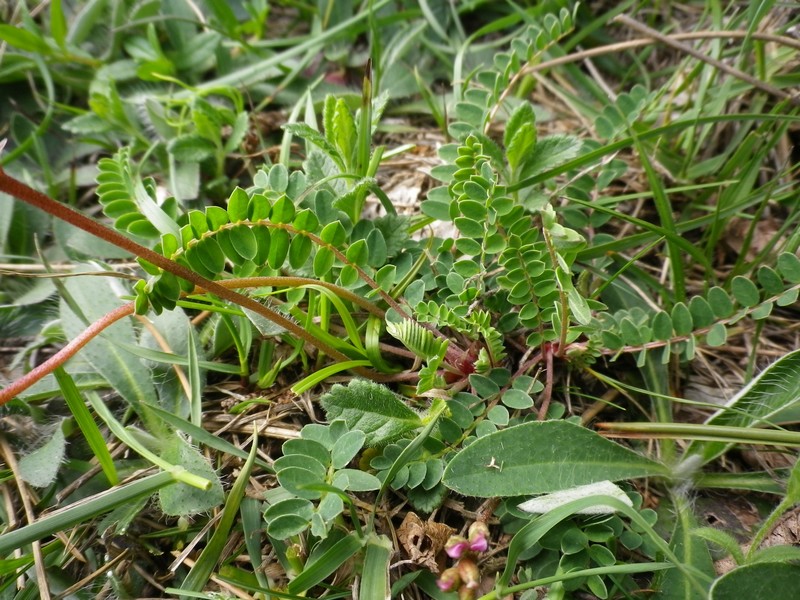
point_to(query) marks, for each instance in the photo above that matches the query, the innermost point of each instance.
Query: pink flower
(456, 546)
(478, 537)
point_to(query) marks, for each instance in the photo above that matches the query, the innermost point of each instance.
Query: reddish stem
(63, 355)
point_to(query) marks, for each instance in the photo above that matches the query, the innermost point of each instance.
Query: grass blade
(83, 510)
(86, 423)
(326, 564)
(202, 569)
(375, 573)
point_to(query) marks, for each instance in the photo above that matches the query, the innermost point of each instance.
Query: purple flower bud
(449, 580)
(456, 546)
(478, 537)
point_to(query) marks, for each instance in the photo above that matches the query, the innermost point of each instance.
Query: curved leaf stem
(246, 282)
(59, 358)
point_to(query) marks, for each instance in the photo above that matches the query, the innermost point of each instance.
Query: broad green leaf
(182, 499)
(549, 152)
(286, 526)
(759, 580)
(263, 239)
(40, 467)
(283, 210)
(303, 462)
(244, 241)
(789, 267)
(358, 253)
(296, 479)
(124, 372)
(469, 227)
(371, 408)
(356, 481)
(210, 254)
(775, 390)
(378, 251)
(299, 251)
(484, 387)
(323, 261)
(307, 447)
(541, 457)
(517, 399)
(717, 335)
(306, 220)
(770, 281)
(385, 277)
(720, 302)
(662, 326)
(191, 148)
(224, 238)
(291, 506)
(333, 234)
(278, 248)
(278, 178)
(578, 306)
(682, 319)
(238, 204)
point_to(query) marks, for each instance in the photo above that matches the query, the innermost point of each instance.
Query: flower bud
(456, 546)
(449, 580)
(478, 537)
(468, 571)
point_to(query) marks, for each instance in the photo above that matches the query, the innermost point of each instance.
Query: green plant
(265, 278)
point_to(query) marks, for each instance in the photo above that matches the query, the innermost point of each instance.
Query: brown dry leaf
(785, 533)
(423, 540)
(763, 234)
(786, 530)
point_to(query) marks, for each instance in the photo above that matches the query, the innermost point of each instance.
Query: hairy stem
(63, 355)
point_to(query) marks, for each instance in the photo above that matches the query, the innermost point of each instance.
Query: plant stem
(63, 355)
(35, 198)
